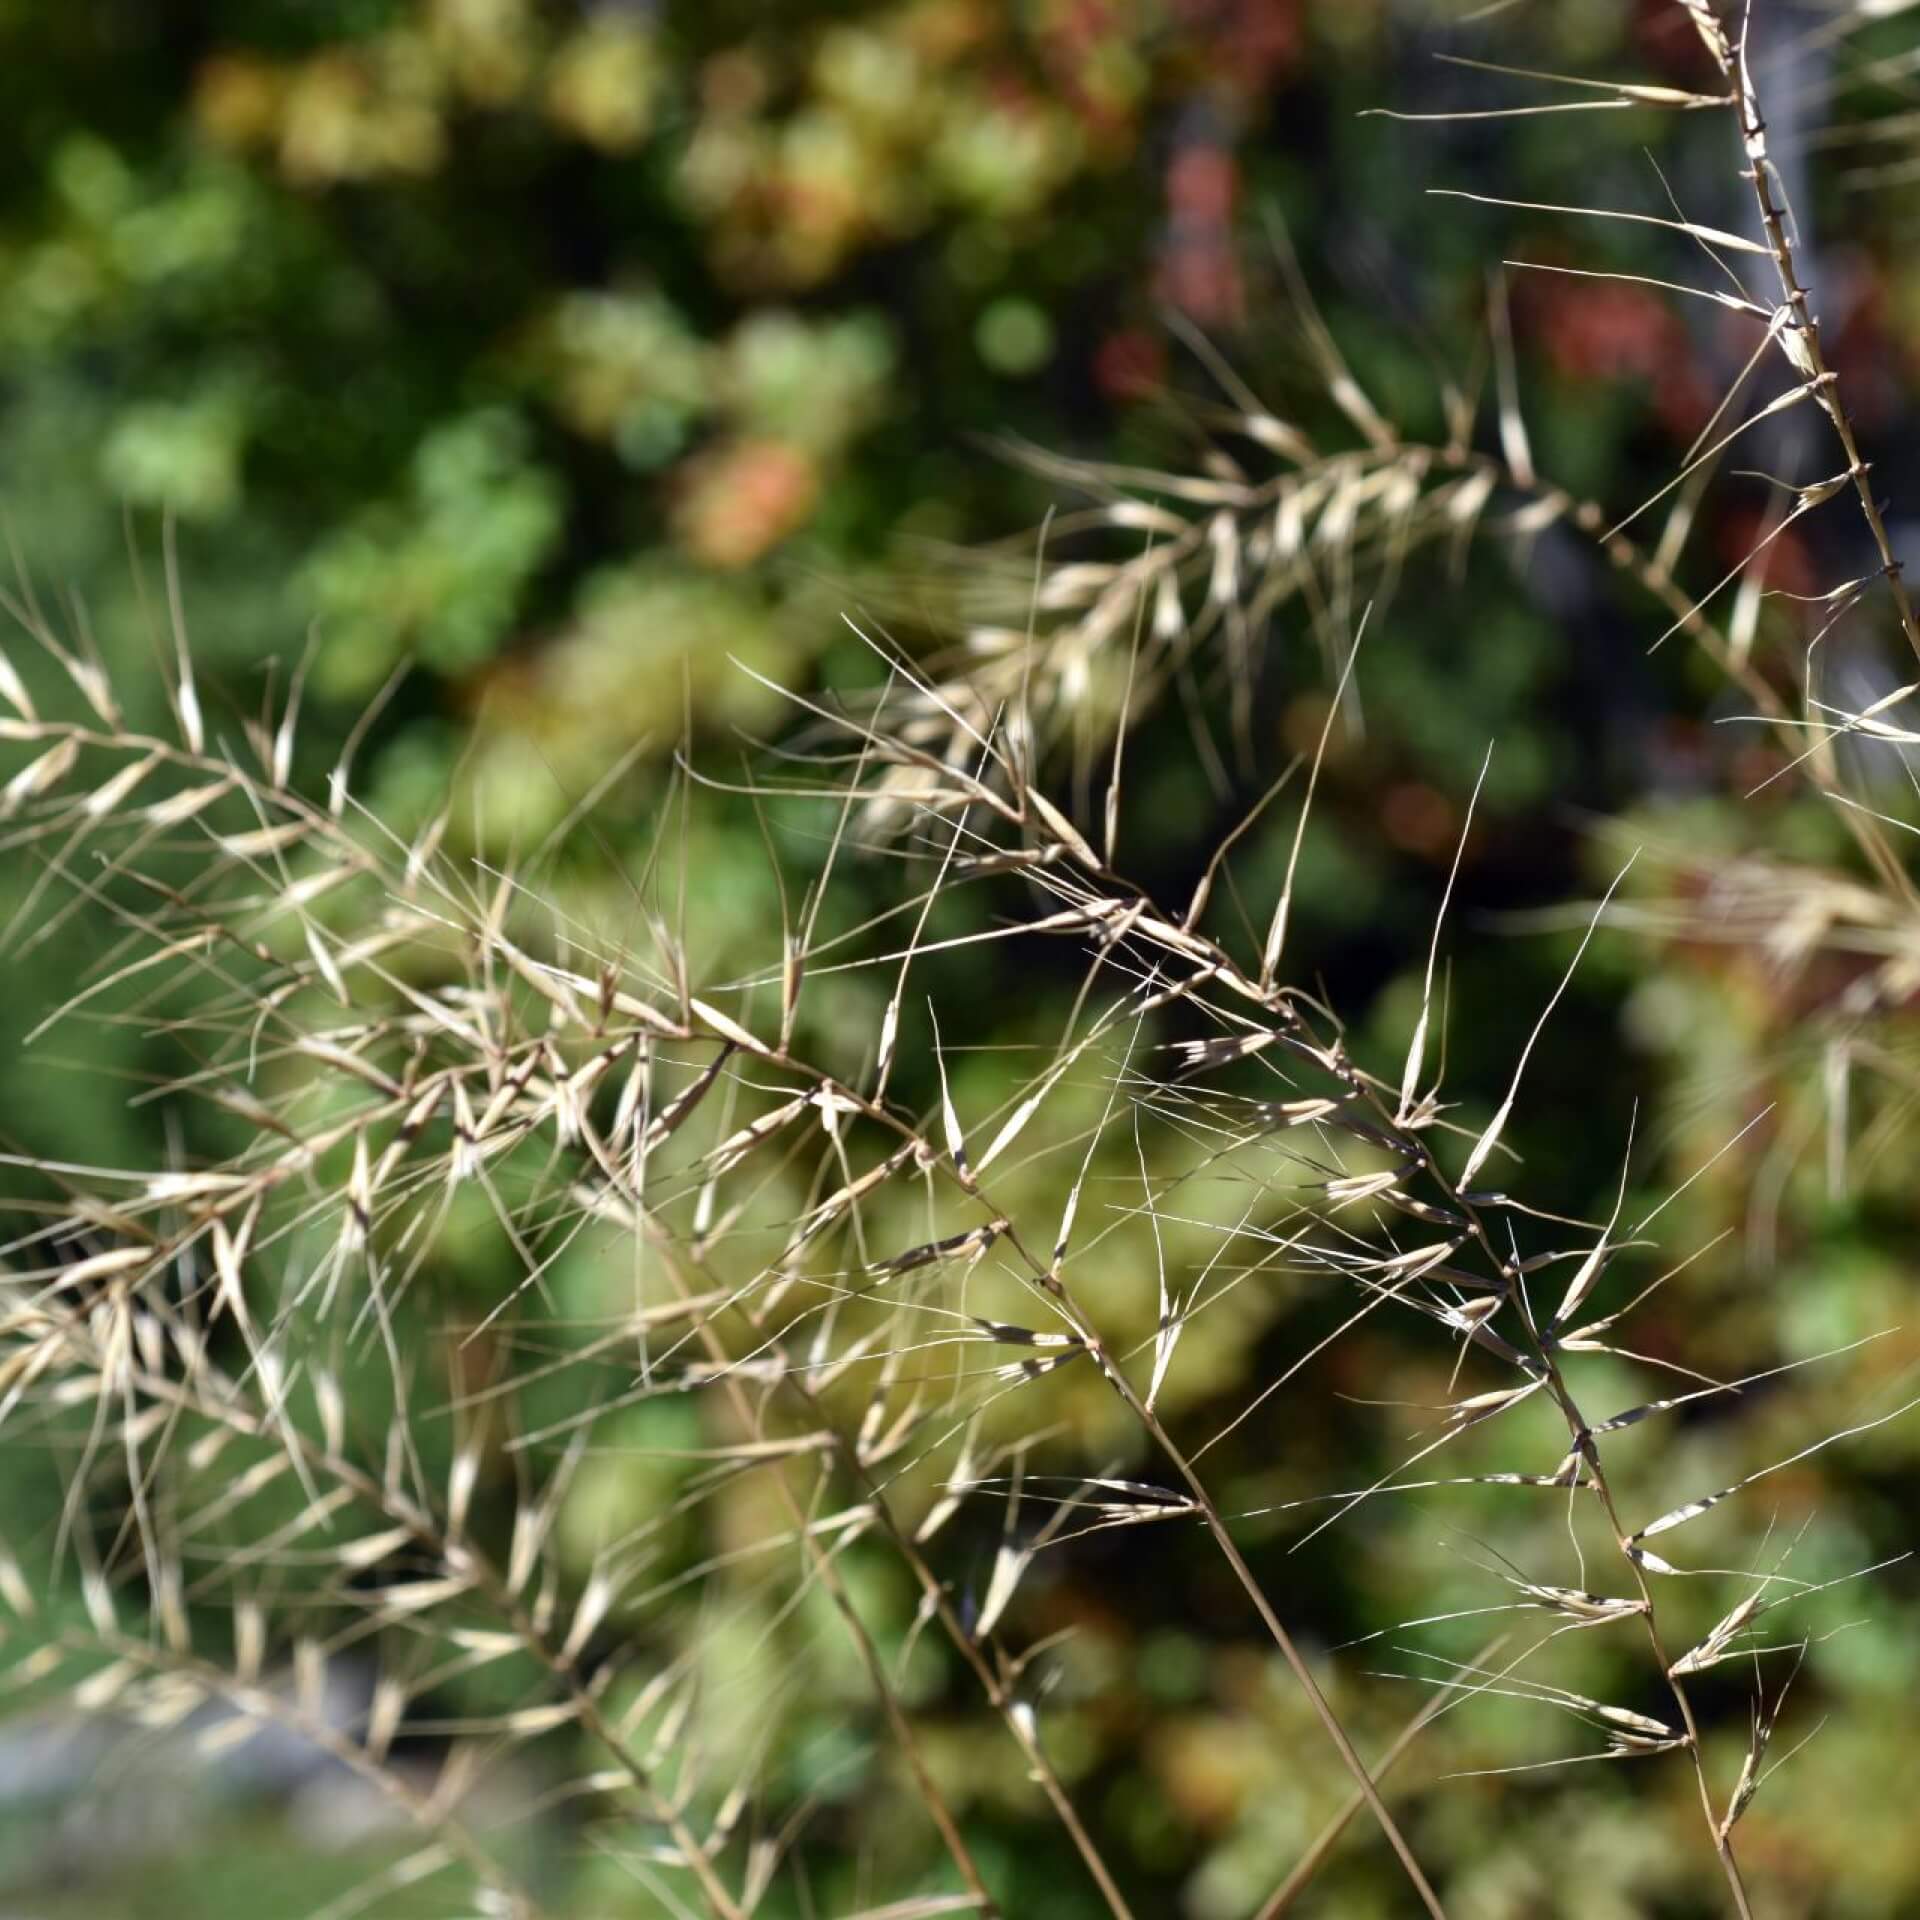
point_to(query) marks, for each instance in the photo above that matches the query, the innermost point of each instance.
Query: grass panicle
(869, 1304)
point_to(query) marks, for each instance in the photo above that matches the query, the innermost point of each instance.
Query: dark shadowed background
(533, 376)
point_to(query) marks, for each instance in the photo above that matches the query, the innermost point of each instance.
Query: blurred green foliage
(575, 358)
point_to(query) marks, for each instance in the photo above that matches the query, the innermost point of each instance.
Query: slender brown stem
(1806, 328)
(1542, 1355)
(828, 1575)
(1216, 1525)
(1289, 1890)
(1212, 964)
(999, 1696)
(993, 1684)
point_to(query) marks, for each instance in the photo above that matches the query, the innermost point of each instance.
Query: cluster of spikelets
(386, 1037)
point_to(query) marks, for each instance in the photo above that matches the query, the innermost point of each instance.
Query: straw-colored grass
(856, 1301)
